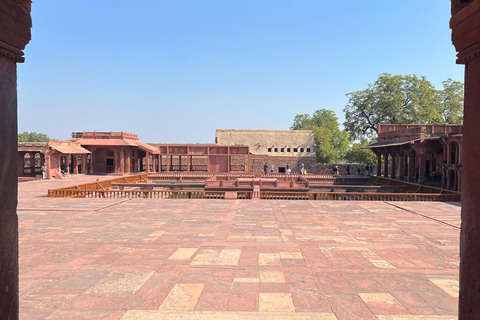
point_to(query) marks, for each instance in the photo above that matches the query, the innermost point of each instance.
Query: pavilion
(421, 151)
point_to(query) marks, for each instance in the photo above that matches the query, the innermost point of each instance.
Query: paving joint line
(111, 205)
(422, 215)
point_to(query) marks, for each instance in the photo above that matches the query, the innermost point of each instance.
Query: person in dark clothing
(265, 168)
(348, 170)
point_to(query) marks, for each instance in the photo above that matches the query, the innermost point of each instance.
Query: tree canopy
(331, 142)
(358, 155)
(402, 99)
(32, 137)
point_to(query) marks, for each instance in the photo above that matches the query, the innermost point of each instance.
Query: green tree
(32, 137)
(358, 155)
(400, 99)
(331, 142)
(451, 107)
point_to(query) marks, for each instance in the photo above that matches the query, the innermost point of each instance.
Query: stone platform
(240, 259)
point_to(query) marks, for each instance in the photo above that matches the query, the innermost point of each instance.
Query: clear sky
(173, 71)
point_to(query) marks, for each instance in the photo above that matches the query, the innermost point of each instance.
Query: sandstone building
(277, 147)
(420, 152)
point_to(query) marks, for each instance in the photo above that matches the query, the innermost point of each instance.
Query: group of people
(288, 169)
(362, 170)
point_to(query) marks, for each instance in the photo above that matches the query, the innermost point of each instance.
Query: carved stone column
(411, 167)
(394, 164)
(15, 24)
(75, 163)
(122, 161)
(385, 164)
(402, 162)
(379, 163)
(465, 25)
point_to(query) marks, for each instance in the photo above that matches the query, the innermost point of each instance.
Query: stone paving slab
(239, 259)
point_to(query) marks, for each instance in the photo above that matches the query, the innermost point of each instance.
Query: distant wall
(260, 141)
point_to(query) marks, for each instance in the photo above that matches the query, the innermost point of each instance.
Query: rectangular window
(282, 150)
(269, 149)
(288, 149)
(276, 149)
(295, 149)
(308, 149)
(301, 149)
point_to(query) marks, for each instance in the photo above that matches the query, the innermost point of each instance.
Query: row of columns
(406, 166)
(169, 162)
(452, 170)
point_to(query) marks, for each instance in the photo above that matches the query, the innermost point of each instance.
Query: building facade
(277, 147)
(420, 152)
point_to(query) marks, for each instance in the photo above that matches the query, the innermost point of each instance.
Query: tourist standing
(288, 168)
(348, 170)
(265, 168)
(44, 171)
(302, 167)
(271, 168)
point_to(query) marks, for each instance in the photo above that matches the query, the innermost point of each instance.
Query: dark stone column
(411, 167)
(385, 164)
(379, 164)
(394, 164)
(402, 162)
(466, 38)
(421, 168)
(8, 192)
(15, 24)
(470, 235)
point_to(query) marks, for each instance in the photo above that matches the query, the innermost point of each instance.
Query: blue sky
(174, 71)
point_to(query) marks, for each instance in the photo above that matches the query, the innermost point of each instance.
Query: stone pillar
(8, 192)
(147, 162)
(394, 164)
(48, 163)
(122, 161)
(444, 172)
(128, 161)
(467, 41)
(379, 164)
(135, 160)
(92, 161)
(15, 26)
(84, 163)
(421, 168)
(402, 163)
(32, 163)
(385, 164)
(411, 167)
(20, 163)
(75, 163)
(42, 159)
(67, 162)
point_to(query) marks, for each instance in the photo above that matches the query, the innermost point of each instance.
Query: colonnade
(407, 160)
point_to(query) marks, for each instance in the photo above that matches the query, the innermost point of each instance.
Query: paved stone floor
(245, 259)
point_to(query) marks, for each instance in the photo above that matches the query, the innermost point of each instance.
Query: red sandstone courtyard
(234, 259)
